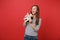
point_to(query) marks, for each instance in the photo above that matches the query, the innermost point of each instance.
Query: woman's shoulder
(40, 20)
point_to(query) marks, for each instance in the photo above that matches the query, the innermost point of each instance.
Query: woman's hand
(25, 23)
(30, 21)
(33, 26)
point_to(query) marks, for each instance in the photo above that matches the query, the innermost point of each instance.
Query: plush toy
(28, 17)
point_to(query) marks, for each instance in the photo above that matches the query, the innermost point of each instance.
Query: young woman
(32, 27)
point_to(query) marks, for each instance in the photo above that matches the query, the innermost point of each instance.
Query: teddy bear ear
(30, 14)
(27, 13)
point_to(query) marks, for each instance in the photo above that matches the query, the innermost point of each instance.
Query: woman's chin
(34, 14)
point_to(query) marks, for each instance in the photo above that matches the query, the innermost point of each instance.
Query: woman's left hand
(30, 21)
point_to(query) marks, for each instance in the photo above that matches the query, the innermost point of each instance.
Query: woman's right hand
(30, 21)
(25, 20)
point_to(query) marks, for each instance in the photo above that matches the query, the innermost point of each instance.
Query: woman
(32, 27)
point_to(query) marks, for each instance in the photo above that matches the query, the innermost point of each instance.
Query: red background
(13, 11)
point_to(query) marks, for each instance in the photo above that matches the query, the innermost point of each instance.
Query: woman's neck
(34, 16)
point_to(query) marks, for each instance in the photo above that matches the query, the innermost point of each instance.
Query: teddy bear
(28, 17)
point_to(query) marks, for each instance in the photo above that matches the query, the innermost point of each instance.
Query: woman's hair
(37, 14)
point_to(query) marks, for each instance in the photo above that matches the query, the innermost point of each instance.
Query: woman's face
(34, 10)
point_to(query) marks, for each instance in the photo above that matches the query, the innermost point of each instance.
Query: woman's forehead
(34, 7)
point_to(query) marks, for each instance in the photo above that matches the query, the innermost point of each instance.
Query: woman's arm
(25, 23)
(36, 27)
(33, 26)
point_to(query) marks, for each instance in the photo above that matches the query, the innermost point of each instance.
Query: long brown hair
(37, 14)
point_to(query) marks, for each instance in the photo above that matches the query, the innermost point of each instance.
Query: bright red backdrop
(13, 11)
